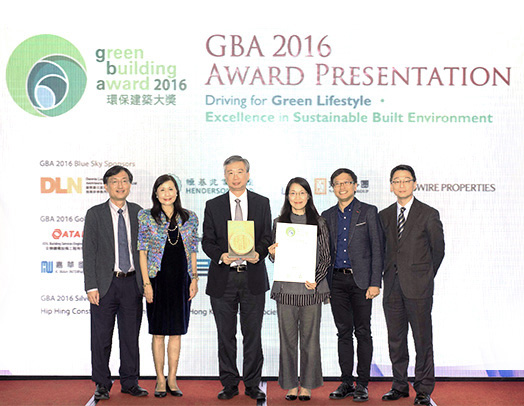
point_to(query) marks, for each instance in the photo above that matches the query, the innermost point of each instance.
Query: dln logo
(46, 75)
(56, 185)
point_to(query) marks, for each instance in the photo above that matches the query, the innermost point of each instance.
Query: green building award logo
(46, 75)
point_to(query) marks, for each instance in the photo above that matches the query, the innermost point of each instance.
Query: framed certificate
(241, 239)
(296, 254)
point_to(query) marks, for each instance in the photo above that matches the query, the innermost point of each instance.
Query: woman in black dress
(167, 241)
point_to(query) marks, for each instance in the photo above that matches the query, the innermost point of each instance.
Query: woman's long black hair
(311, 212)
(156, 210)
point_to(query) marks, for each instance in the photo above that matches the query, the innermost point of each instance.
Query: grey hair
(236, 158)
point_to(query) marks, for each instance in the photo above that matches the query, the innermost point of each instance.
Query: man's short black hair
(340, 171)
(115, 170)
(403, 168)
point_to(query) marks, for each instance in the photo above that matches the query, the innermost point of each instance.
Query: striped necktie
(401, 221)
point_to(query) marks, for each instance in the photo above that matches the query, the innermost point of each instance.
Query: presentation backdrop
(298, 88)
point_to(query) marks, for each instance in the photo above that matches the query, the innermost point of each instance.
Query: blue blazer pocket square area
(360, 224)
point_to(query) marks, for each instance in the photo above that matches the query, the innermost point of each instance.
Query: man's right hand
(225, 258)
(93, 297)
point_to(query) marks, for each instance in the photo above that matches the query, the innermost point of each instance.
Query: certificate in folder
(296, 254)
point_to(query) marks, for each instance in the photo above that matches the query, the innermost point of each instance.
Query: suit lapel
(354, 219)
(391, 218)
(414, 212)
(226, 206)
(333, 224)
(251, 209)
(107, 223)
(134, 224)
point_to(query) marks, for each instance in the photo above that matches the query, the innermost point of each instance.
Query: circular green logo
(46, 75)
(290, 231)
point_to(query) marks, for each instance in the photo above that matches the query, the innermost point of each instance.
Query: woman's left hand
(311, 285)
(193, 289)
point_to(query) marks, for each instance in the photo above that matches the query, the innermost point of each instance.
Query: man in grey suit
(113, 283)
(414, 252)
(355, 275)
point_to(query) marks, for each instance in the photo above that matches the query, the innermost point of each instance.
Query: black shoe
(344, 390)
(228, 392)
(254, 392)
(101, 392)
(160, 394)
(422, 399)
(304, 398)
(394, 394)
(135, 391)
(361, 394)
(291, 397)
(176, 392)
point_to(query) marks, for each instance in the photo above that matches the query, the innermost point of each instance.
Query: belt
(120, 274)
(238, 268)
(344, 270)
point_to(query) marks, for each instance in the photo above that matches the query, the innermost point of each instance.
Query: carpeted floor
(204, 392)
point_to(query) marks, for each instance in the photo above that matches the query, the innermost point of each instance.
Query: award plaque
(241, 239)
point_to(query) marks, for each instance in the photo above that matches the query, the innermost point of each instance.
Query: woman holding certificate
(167, 241)
(300, 296)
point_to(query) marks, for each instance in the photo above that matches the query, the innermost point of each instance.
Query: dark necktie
(124, 263)
(401, 221)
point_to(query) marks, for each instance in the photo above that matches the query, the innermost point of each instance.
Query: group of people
(130, 253)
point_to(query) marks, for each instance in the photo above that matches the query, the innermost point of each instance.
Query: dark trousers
(225, 310)
(124, 301)
(401, 311)
(352, 313)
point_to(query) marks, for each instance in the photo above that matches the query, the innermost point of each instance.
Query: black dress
(169, 312)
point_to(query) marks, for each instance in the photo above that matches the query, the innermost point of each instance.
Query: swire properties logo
(46, 75)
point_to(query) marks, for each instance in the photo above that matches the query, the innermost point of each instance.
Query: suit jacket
(214, 242)
(365, 244)
(418, 254)
(98, 247)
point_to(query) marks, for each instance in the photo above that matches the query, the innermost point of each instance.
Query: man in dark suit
(113, 283)
(234, 283)
(355, 279)
(414, 252)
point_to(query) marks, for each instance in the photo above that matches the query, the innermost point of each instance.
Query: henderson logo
(46, 75)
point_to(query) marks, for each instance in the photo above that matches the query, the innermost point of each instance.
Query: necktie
(401, 221)
(238, 211)
(124, 263)
(238, 217)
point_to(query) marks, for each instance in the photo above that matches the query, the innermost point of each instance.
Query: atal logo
(60, 185)
(58, 234)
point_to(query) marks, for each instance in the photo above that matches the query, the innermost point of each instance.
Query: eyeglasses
(401, 182)
(115, 182)
(299, 194)
(346, 183)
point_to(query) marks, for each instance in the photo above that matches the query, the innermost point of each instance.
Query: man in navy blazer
(355, 275)
(414, 252)
(113, 283)
(232, 284)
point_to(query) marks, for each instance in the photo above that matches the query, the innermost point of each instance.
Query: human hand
(372, 292)
(93, 297)
(311, 285)
(193, 289)
(252, 260)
